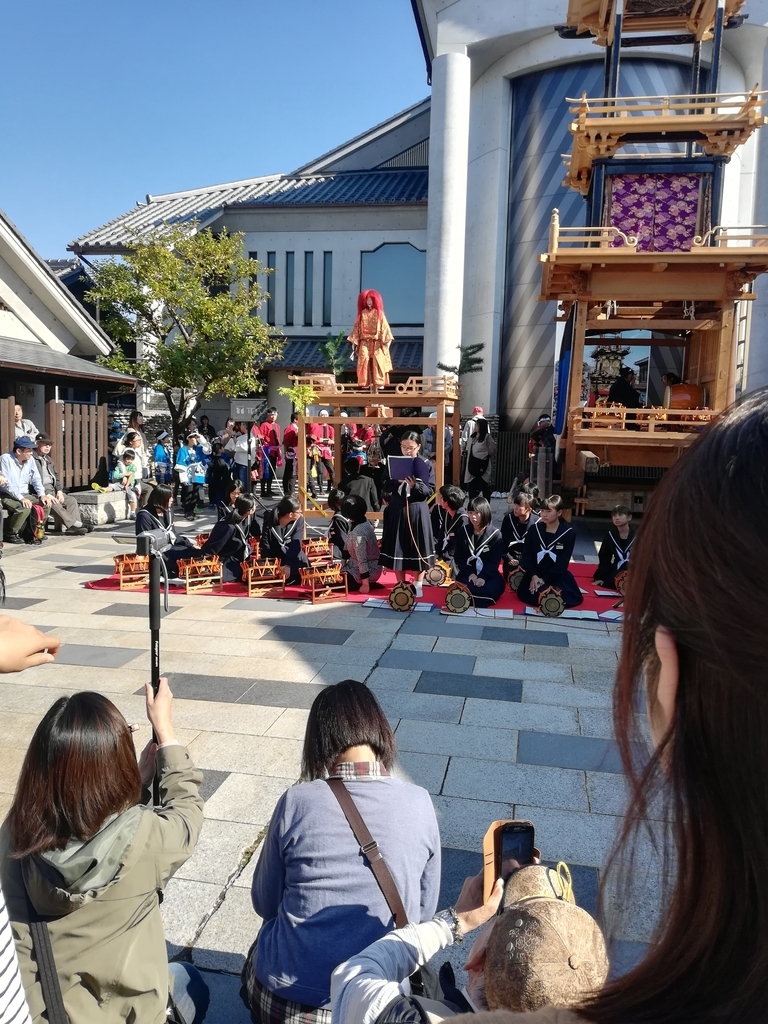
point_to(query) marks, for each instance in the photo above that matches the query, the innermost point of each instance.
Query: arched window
(397, 270)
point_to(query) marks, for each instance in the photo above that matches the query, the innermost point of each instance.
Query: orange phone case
(492, 852)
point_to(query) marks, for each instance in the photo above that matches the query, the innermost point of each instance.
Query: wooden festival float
(380, 409)
(673, 270)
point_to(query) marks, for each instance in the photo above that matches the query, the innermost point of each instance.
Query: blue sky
(106, 101)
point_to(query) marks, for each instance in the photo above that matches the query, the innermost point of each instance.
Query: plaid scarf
(349, 770)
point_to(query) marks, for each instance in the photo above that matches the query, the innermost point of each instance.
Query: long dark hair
(708, 960)
(342, 716)
(481, 429)
(80, 768)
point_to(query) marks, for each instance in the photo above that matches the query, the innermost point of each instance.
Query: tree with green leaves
(189, 302)
(336, 350)
(470, 360)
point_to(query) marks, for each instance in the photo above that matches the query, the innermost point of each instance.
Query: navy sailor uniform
(229, 540)
(513, 531)
(614, 557)
(446, 527)
(284, 542)
(547, 555)
(477, 561)
(407, 541)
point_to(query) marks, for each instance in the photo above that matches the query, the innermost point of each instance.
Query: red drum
(685, 396)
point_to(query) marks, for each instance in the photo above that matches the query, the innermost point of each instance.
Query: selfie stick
(145, 547)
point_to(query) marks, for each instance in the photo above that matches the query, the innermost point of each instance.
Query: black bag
(476, 466)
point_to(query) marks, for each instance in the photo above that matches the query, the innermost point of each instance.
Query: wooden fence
(79, 435)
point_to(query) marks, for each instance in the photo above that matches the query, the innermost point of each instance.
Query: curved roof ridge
(222, 187)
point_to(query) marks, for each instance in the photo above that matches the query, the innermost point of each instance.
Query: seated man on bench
(63, 507)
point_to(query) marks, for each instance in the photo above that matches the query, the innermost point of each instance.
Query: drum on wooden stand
(438, 575)
(620, 582)
(685, 396)
(515, 578)
(458, 599)
(402, 597)
(551, 602)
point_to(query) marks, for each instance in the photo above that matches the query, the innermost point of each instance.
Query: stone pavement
(497, 719)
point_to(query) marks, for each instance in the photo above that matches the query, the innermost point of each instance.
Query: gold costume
(372, 337)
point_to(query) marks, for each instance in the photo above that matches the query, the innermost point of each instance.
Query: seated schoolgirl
(547, 551)
(362, 566)
(229, 539)
(339, 527)
(616, 547)
(479, 551)
(158, 515)
(228, 504)
(449, 519)
(281, 537)
(514, 527)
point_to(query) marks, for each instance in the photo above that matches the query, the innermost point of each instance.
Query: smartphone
(515, 847)
(504, 842)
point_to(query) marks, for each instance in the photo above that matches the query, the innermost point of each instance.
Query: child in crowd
(615, 548)
(124, 479)
(162, 459)
(514, 527)
(191, 462)
(338, 531)
(218, 476)
(479, 550)
(449, 519)
(363, 486)
(362, 566)
(281, 538)
(547, 551)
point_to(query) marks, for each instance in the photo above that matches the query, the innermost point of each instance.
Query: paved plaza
(496, 718)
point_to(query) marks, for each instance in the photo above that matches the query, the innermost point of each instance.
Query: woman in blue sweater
(313, 886)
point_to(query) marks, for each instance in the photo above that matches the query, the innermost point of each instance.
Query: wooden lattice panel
(262, 575)
(325, 583)
(200, 573)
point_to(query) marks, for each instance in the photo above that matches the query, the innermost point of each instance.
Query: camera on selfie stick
(152, 544)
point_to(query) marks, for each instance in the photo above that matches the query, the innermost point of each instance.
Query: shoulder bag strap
(370, 848)
(46, 966)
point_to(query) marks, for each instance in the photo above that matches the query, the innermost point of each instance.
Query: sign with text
(245, 408)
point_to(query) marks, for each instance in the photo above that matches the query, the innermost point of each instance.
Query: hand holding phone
(507, 846)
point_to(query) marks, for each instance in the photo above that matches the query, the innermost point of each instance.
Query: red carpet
(432, 595)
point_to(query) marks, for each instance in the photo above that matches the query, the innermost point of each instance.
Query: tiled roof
(205, 205)
(41, 359)
(305, 354)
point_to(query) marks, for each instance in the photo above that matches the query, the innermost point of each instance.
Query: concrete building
(487, 147)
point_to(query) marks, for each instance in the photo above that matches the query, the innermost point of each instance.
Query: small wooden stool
(262, 575)
(325, 583)
(200, 573)
(133, 571)
(579, 506)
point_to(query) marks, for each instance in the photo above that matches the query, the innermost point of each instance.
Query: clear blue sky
(106, 101)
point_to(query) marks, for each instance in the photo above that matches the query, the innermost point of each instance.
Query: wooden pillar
(102, 438)
(52, 424)
(7, 427)
(440, 446)
(724, 385)
(573, 474)
(301, 468)
(456, 453)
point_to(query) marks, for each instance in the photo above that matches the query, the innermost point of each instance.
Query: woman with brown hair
(694, 647)
(80, 851)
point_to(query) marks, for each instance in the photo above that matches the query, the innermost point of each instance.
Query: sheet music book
(402, 466)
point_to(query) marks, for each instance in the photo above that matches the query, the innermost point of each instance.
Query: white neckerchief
(458, 520)
(479, 546)
(549, 549)
(516, 525)
(284, 537)
(623, 553)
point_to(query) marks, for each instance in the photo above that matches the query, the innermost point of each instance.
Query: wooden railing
(325, 384)
(601, 237)
(742, 236)
(727, 104)
(606, 421)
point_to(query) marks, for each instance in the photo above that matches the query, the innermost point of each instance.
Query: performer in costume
(281, 538)
(371, 337)
(449, 519)
(158, 515)
(547, 551)
(229, 539)
(339, 527)
(514, 527)
(362, 566)
(479, 551)
(407, 542)
(616, 547)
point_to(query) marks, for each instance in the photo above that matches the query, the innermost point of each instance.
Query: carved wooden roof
(694, 16)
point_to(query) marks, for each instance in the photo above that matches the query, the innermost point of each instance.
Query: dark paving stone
(211, 782)
(539, 637)
(97, 657)
(226, 689)
(276, 694)
(624, 956)
(253, 604)
(484, 687)
(93, 570)
(430, 625)
(61, 556)
(131, 610)
(428, 660)
(581, 752)
(388, 613)
(17, 603)
(308, 635)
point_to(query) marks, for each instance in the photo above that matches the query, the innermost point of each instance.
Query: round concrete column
(446, 218)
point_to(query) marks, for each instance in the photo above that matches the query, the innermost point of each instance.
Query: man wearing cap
(542, 951)
(63, 507)
(19, 470)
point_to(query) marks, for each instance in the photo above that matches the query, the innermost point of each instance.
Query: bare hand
(159, 711)
(60, 497)
(47, 500)
(147, 763)
(410, 480)
(23, 646)
(536, 583)
(470, 909)
(26, 503)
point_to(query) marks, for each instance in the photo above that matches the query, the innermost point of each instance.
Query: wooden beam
(301, 469)
(440, 447)
(723, 387)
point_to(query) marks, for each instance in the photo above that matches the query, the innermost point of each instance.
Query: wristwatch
(451, 918)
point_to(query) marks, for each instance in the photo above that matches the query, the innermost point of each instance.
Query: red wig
(362, 299)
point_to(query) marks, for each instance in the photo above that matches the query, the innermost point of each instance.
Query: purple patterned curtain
(661, 210)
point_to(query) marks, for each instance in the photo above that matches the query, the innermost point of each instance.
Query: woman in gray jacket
(80, 850)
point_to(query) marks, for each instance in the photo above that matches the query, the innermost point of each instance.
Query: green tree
(336, 350)
(470, 360)
(189, 302)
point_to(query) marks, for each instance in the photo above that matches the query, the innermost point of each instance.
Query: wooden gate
(79, 435)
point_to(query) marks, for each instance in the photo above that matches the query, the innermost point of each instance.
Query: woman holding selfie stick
(693, 654)
(407, 543)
